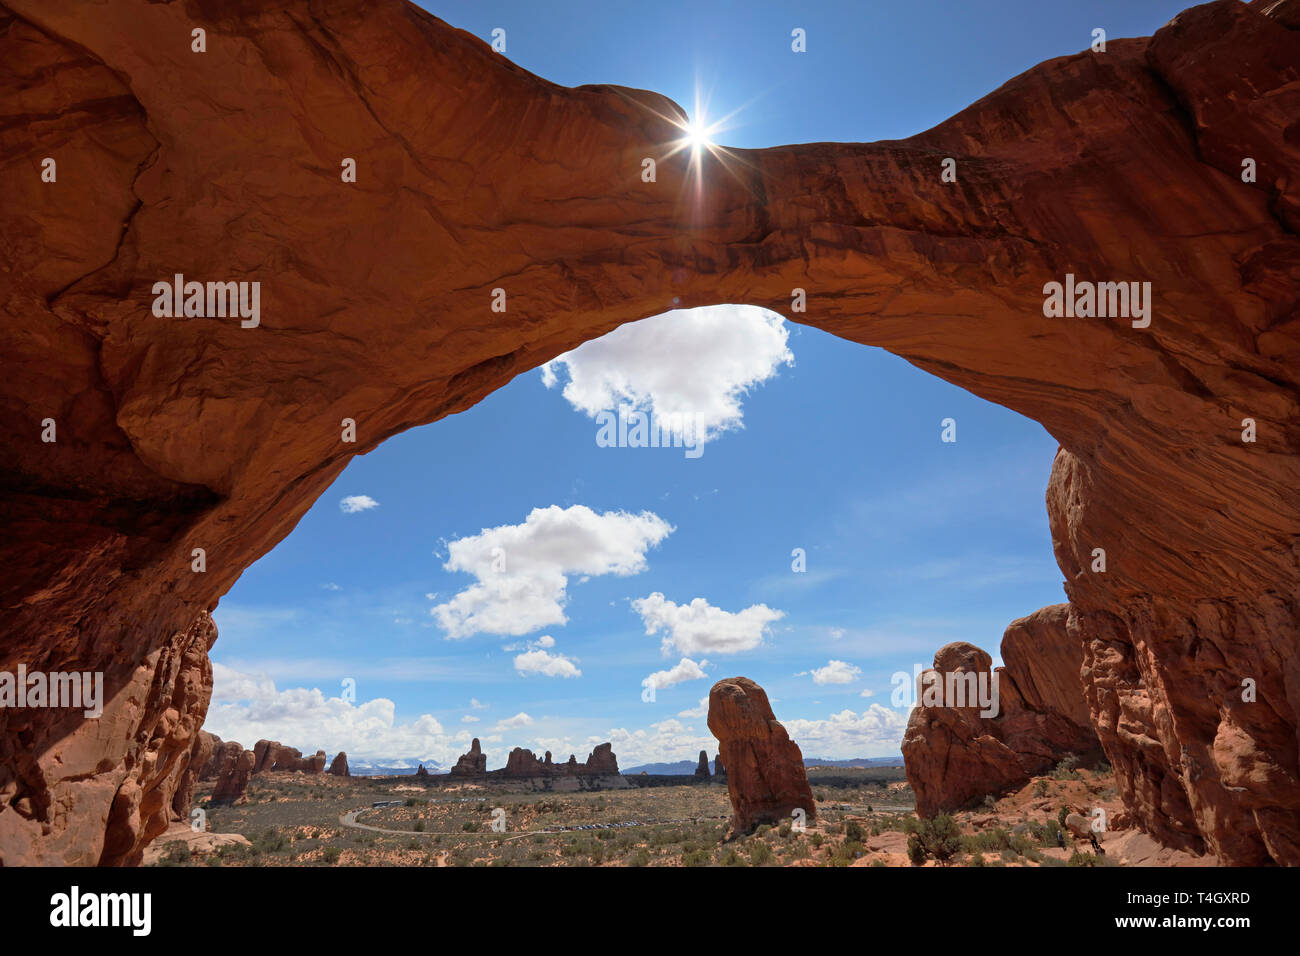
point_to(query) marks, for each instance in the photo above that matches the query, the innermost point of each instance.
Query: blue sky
(816, 444)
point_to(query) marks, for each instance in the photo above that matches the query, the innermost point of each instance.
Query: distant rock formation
(765, 773)
(234, 768)
(271, 755)
(602, 760)
(719, 769)
(523, 763)
(955, 757)
(472, 764)
(339, 767)
(421, 772)
(703, 769)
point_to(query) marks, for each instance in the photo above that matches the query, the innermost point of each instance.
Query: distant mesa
(765, 773)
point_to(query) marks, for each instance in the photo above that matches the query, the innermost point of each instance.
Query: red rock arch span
(474, 175)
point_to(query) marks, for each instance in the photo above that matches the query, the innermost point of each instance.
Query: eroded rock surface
(339, 765)
(234, 770)
(176, 434)
(766, 779)
(972, 744)
(271, 755)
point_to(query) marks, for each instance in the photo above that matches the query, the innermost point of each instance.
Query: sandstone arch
(475, 175)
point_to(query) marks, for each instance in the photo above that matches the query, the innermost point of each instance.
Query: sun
(698, 135)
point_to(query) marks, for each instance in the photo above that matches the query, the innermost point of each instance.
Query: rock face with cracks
(179, 434)
(766, 779)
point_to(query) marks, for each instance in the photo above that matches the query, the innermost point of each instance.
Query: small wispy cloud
(355, 503)
(518, 720)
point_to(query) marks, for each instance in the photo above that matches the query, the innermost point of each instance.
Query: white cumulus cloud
(522, 570)
(700, 710)
(688, 364)
(836, 672)
(701, 628)
(354, 503)
(667, 741)
(683, 670)
(248, 707)
(876, 732)
(542, 662)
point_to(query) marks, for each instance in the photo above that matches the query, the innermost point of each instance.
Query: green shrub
(178, 855)
(938, 837)
(915, 851)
